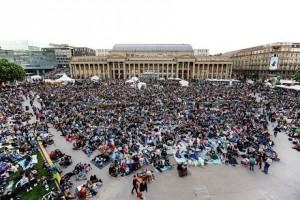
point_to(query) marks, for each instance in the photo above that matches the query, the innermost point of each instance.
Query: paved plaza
(214, 182)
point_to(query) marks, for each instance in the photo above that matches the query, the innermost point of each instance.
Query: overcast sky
(219, 25)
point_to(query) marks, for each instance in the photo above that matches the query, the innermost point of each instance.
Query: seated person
(94, 179)
(112, 171)
(177, 154)
(24, 182)
(89, 186)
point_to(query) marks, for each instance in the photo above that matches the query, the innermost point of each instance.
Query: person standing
(268, 162)
(135, 185)
(252, 163)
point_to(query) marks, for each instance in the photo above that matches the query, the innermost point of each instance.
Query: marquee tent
(95, 78)
(65, 78)
(135, 79)
(184, 83)
(36, 77)
(141, 84)
(129, 81)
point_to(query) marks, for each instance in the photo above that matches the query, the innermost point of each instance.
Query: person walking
(143, 189)
(135, 185)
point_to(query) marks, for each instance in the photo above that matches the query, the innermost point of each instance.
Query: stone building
(266, 61)
(168, 60)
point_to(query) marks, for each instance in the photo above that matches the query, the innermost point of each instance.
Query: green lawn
(38, 191)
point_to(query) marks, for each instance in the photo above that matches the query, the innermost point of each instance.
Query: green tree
(297, 75)
(10, 71)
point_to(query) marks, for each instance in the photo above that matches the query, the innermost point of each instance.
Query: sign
(273, 63)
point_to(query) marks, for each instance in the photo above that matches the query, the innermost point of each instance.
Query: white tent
(36, 77)
(135, 79)
(250, 81)
(184, 83)
(141, 84)
(95, 78)
(294, 87)
(177, 79)
(171, 78)
(129, 81)
(48, 81)
(161, 79)
(65, 78)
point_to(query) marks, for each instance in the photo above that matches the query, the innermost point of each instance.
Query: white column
(143, 67)
(177, 66)
(129, 69)
(119, 70)
(167, 71)
(222, 71)
(193, 72)
(124, 71)
(108, 70)
(207, 71)
(182, 69)
(212, 71)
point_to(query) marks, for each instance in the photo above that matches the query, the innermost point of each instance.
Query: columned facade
(177, 61)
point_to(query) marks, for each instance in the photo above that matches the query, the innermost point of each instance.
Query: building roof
(152, 47)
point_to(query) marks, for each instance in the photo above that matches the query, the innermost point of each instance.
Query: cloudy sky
(219, 25)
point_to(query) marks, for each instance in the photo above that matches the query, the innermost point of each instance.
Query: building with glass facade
(35, 62)
(21, 45)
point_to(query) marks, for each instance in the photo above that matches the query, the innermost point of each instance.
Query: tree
(10, 71)
(297, 75)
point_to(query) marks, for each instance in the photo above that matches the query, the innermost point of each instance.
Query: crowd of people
(18, 145)
(211, 123)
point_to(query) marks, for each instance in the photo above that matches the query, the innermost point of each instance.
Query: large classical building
(168, 60)
(272, 60)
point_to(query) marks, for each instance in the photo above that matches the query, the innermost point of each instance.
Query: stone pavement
(214, 182)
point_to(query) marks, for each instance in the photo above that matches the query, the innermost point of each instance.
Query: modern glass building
(24, 45)
(35, 62)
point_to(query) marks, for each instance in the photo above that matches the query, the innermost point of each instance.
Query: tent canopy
(129, 81)
(141, 84)
(184, 83)
(135, 78)
(36, 77)
(65, 78)
(95, 78)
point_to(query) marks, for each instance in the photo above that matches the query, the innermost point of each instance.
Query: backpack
(252, 161)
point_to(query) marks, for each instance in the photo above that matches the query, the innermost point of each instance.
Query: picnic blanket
(180, 160)
(216, 162)
(34, 160)
(162, 169)
(101, 166)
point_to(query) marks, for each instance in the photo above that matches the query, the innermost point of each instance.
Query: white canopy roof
(141, 84)
(227, 80)
(95, 78)
(35, 77)
(48, 80)
(135, 78)
(184, 83)
(294, 87)
(65, 78)
(130, 81)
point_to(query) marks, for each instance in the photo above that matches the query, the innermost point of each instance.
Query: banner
(273, 63)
